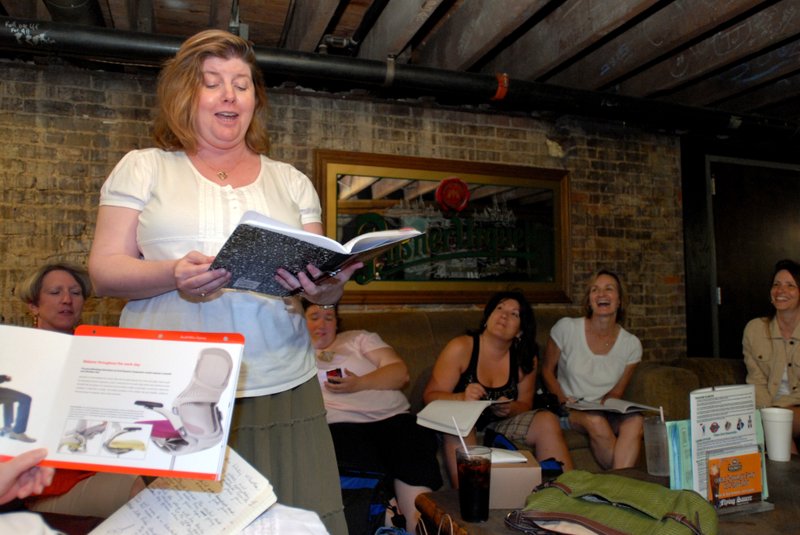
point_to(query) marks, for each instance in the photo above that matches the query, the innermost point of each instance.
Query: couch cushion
(714, 371)
(418, 337)
(656, 384)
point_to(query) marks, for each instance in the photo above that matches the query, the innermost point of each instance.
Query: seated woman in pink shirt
(361, 377)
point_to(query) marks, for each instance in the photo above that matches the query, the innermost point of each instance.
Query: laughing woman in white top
(593, 358)
(165, 212)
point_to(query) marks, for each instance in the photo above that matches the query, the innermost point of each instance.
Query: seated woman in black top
(498, 362)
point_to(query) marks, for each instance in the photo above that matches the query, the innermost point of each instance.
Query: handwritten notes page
(199, 507)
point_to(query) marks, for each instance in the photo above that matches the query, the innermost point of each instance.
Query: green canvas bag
(609, 504)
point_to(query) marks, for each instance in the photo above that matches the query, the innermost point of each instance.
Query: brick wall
(65, 128)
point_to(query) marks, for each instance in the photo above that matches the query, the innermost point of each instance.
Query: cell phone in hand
(334, 374)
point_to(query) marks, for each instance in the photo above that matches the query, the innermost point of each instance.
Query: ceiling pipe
(318, 71)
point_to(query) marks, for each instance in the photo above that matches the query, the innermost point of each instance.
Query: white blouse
(581, 372)
(180, 211)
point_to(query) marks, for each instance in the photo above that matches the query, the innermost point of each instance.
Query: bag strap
(545, 516)
(694, 527)
(518, 521)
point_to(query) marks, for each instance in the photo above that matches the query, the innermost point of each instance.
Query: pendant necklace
(222, 175)
(326, 356)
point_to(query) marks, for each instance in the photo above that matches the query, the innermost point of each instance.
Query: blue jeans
(8, 397)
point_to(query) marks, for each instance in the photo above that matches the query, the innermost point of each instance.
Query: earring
(35, 320)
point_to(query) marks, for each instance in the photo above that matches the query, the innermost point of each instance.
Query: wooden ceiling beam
(472, 31)
(143, 15)
(352, 185)
(27, 9)
(662, 32)
(308, 23)
(488, 191)
(765, 96)
(121, 13)
(387, 186)
(764, 29)
(396, 27)
(418, 188)
(562, 35)
(219, 14)
(787, 107)
(760, 70)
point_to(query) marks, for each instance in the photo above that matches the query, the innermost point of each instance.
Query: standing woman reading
(770, 346)
(165, 212)
(593, 358)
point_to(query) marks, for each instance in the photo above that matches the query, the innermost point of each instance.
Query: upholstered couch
(418, 336)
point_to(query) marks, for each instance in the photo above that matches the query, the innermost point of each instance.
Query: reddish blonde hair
(179, 86)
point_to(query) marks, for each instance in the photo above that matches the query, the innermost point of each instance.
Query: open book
(260, 245)
(438, 415)
(191, 506)
(120, 400)
(611, 405)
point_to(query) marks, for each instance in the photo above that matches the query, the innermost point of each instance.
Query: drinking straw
(661, 410)
(458, 432)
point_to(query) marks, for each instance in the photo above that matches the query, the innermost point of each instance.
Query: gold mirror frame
(404, 173)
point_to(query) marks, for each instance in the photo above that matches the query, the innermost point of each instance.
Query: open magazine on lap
(611, 405)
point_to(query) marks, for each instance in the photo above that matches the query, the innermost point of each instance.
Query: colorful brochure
(110, 399)
(734, 479)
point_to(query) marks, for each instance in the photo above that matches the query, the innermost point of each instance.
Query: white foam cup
(777, 432)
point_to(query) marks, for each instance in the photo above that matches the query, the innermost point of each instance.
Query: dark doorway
(756, 222)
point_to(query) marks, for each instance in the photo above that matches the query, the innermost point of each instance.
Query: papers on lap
(611, 405)
(260, 245)
(438, 415)
(501, 456)
(189, 506)
(120, 400)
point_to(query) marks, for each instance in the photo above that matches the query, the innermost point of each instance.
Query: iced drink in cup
(474, 471)
(655, 446)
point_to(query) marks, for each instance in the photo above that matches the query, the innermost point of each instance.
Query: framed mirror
(487, 227)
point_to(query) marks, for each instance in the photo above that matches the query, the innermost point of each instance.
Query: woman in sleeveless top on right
(498, 362)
